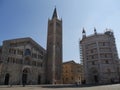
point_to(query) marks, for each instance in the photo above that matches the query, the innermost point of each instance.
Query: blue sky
(29, 18)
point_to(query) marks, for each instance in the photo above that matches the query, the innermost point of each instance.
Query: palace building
(72, 73)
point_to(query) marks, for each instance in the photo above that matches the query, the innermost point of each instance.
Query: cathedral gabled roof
(55, 14)
(26, 39)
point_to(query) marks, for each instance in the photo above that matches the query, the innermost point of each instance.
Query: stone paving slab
(37, 87)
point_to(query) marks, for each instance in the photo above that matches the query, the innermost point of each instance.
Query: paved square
(103, 87)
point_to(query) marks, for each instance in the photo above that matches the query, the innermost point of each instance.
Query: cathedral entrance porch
(24, 77)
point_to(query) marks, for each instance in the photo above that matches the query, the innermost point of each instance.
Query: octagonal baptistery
(100, 58)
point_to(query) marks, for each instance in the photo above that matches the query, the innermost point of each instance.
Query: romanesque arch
(25, 73)
(94, 74)
(7, 77)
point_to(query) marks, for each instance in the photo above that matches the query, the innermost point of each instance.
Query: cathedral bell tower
(54, 50)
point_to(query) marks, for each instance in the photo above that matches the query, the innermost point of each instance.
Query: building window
(12, 51)
(21, 61)
(41, 52)
(11, 60)
(93, 63)
(91, 51)
(106, 62)
(105, 55)
(41, 64)
(8, 60)
(78, 70)
(19, 52)
(87, 58)
(63, 79)
(92, 57)
(108, 70)
(14, 60)
(72, 78)
(103, 43)
(34, 63)
(27, 52)
(40, 57)
(66, 79)
(27, 61)
(34, 55)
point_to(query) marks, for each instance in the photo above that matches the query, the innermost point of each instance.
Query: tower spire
(55, 14)
(95, 31)
(84, 33)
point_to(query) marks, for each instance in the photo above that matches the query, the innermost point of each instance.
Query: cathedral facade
(23, 61)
